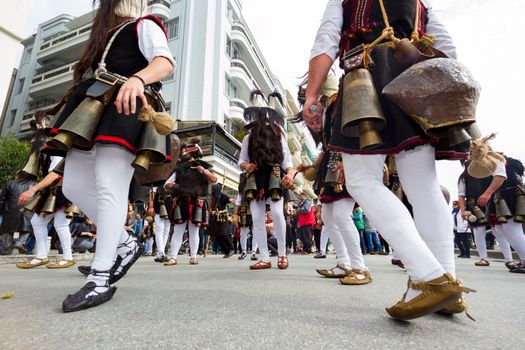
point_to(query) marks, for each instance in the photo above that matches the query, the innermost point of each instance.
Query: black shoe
(78, 301)
(464, 257)
(136, 252)
(228, 255)
(398, 263)
(242, 256)
(84, 269)
(159, 259)
(520, 268)
(320, 256)
(253, 258)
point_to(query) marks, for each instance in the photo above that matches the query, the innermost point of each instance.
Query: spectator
(148, 235)
(138, 225)
(305, 222)
(12, 219)
(360, 225)
(461, 232)
(84, 237)
(373, 243)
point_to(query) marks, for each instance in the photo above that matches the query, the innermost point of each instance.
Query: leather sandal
(261, 265)
(353, 280)
(171, 262)
(330, 273)
(194, 261)
(58, 265)
(282, 262)
(28, 265)
(435, 295)
(482, 262)
(457, 307)
(135, 252)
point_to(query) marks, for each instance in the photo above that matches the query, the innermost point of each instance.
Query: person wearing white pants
(425, 242)
(243, 218)
(132, 54)
(40, 220)
(162, 234)
(266, 157)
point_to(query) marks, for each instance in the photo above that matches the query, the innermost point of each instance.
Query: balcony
(52, 83)
(241, 74)
(65, 47)
(237, 107)
(160, 8)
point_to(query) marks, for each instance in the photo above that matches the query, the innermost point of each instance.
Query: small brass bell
(49, 205)
(72, 211)
(250, 190)
(519, 212)
(80, 127)
(177, 216)
(275, 188)
(502, 209)
(163, 212)
(35, 203)
(457, 135)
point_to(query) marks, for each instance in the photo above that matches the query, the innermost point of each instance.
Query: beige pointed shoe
(436, 294)
(330, 273)
(353, 280)
(62, 264)
(29, 265)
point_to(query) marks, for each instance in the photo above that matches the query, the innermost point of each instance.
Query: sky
(487, 34)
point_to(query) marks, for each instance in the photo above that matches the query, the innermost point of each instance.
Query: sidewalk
(53, 257)
(492, 254)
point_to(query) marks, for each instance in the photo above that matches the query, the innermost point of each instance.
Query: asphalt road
(221, 304)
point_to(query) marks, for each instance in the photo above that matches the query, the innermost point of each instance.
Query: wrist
(140, 79)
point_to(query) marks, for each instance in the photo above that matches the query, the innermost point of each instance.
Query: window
(228, 46)
(229, 88)
(169, 77)
(21, 85)
(168, 107)
(11, 119)
(172, 28)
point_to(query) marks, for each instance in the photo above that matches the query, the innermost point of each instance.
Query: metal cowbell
(72, 211)
(152, 148)
(274, 187)
(519, 211)
(502, 209)
(250, 190)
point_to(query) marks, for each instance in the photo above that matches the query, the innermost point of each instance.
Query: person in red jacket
(305, 223)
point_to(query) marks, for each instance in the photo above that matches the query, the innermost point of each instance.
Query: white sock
(100, 281)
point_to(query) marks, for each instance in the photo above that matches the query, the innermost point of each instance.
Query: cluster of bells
(503, 213)
(78, 130)
(275, 187)
(47, 205)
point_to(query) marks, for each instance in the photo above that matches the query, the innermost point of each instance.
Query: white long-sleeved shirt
(460, 224)
(245, 158)
(153, 42)
(500, 171)
(329, 33)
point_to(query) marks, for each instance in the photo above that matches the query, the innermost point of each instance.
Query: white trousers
(324, 241)
(337, 219)
(481, 243)
(61, 225)
(244, 238)
(512, 232)
(148, 246)
(176, 239)
(424, 243)
(98, 182)
(258, 208)
(162, 234)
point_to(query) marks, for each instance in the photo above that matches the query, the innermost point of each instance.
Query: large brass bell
(34, 203)
(163, 212)
(519, 211)
(362, 115)
(474, 131)
(151, 149)
(177, 216)
(476, 212)
(274, 188)
(80, 127)
(503, 213)
(198, 213)
(49, 205)
(250, 190)
(32, 165)
(72, 211)
(457, 135)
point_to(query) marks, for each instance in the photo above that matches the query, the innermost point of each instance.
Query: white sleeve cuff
(153, 42)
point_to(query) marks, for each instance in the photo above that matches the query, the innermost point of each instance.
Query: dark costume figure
(367, 126)
(266, 157)
(190, 187)
(504, 211)
(243, 216)
(219, 225)
(102, 130)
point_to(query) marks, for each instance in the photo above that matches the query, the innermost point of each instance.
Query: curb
(492, 254)
(53, 258)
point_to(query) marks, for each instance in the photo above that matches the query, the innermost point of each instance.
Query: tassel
(162, 121)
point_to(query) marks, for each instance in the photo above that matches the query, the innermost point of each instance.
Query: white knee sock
(513, 233)
(343, 219)
(159, 234)
(176, 239)
(40, 230)
(193, 232)
(503, 243)
(258, 209)
(244, 238)
(279, 226)
(418, 177)
(62, 227)
(481, 244)
(332, 231)
(364, 180)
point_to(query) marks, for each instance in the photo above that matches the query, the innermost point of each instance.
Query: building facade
(218, 64)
